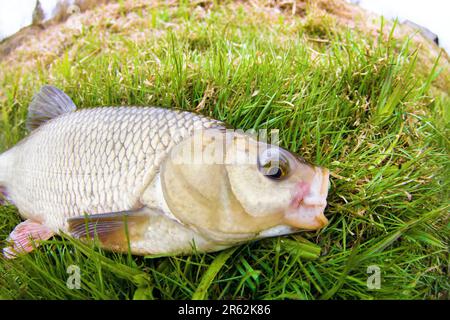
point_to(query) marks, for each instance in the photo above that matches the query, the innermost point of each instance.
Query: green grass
(358, 105)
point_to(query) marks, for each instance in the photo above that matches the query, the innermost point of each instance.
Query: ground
(347, 90)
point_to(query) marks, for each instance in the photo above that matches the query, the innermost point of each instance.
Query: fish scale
(81, 162)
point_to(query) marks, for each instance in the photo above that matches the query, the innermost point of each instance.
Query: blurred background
(15, 15)
(430, 17)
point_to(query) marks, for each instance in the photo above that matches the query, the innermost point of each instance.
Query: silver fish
(153, 181)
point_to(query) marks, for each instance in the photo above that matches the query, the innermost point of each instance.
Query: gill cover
(197, 189)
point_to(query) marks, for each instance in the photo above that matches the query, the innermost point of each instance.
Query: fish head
(268, 180)
(230, 185)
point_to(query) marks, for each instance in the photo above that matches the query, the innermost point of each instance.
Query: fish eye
(272, 164)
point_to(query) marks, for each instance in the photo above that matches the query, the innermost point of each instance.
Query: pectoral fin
(25, 237)
(114, 230)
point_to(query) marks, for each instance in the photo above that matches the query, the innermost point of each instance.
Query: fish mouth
(308, 205)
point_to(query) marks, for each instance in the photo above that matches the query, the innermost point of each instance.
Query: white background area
(16, 14)
(431, 14)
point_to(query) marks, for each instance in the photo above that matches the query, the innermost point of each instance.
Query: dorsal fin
(47, 104)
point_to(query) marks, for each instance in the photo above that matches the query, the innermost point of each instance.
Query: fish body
(127, 176)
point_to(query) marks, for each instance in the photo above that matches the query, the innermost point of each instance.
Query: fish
(152, 181)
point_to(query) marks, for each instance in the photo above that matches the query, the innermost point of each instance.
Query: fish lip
(298, 220)
(303, 188)
(325, 182)
(308, 212)
(324, 186)
(321, 219)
